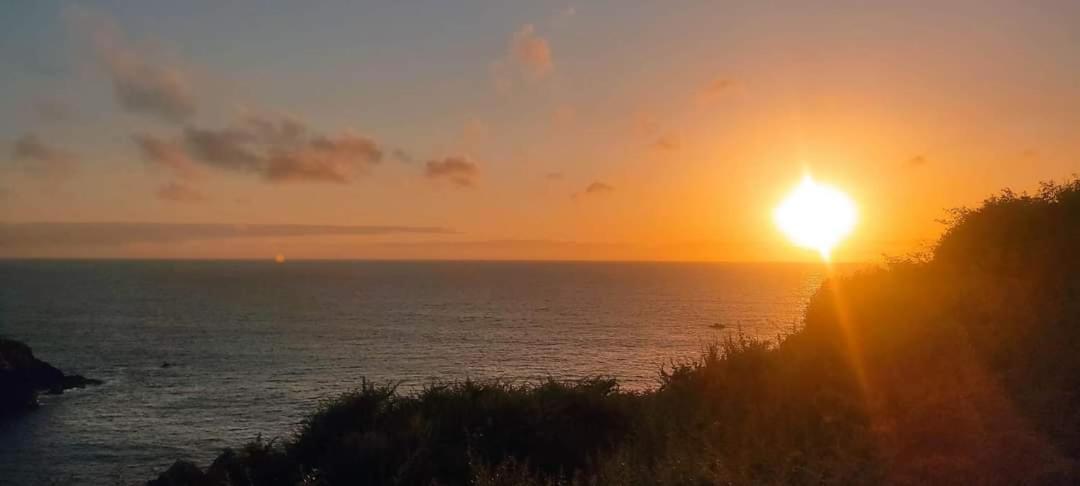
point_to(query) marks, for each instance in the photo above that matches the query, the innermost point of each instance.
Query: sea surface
(252, 347)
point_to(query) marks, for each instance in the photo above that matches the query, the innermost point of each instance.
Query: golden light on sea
(279, 258)
(816, 216)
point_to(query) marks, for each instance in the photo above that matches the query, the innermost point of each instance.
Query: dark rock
(22, 377)
(181, 473)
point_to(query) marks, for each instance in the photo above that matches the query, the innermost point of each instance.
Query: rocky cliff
(23, 376)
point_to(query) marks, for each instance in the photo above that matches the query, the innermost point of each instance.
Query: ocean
(202, 355)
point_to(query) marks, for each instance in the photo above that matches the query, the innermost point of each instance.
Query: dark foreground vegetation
(23, 376)
(962, 367)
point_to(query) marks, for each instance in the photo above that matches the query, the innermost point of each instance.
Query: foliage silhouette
(958, 368)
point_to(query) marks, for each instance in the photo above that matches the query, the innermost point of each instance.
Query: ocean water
(254, 346)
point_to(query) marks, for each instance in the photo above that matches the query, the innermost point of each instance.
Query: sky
(589, 130)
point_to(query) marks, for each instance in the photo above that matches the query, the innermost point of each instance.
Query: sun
(816, 216)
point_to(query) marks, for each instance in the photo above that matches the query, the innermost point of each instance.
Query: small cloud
(531, 51)
(568, 11)
(402, 156)
(554, 176)
(667, 143)
(170, 154)
(458, 170)
(176, 192)
(715, 89)
(53, 110)
(917, 161)
(141, 83)
(41, 159)
(598, 187)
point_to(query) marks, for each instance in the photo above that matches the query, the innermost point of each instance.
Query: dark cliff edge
(23, 376)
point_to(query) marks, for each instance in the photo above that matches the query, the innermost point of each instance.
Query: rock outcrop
(22, 377)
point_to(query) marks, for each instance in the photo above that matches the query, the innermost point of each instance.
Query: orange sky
(482, 130)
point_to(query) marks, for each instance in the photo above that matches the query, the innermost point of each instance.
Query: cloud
(401, 155)
(458, 170)
(104, 234)
(41, 159)
(323, 159)
(283, 150)
(917, 161)
(166, 153)
(176, 192)
(227, 148)
(141, 84)
(53, 110)
(715, 89)
(528, 54)
(598, 187)
(284, 130)
(667, 143)
(531, 51)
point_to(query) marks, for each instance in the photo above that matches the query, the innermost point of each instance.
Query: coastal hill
(23, 376)
(958, 367)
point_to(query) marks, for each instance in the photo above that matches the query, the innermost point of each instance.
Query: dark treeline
(960, 367)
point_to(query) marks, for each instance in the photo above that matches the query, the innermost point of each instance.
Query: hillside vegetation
(962, 367)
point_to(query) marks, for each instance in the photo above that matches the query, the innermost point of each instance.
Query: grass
(957, 368)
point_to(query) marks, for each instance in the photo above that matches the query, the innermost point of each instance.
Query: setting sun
(816, 216)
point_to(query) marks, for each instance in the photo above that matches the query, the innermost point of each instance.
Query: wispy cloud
(40, 158)
(458, 170)
(142, 83)
(715, 89)
(68, 234)
(401, 155)
(917, 161)
(280, 150)
(528, 55)
(176, 192)
(598, 187)
(667, 143)
(169, 154)
(531, 51)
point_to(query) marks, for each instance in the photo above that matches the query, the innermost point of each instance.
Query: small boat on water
(718, 326)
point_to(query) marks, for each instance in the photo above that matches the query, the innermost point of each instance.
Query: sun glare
(816, 216)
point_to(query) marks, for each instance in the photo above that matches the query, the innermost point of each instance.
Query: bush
(954, 369)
